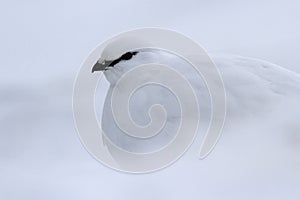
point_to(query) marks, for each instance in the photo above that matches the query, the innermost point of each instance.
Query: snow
(256, 157)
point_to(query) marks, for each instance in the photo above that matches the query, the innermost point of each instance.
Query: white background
(42, 45)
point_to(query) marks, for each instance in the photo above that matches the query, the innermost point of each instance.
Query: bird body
(253, 88)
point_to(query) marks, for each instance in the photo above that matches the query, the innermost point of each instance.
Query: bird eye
(126, 56)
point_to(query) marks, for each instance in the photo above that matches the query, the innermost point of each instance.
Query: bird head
(118, 56)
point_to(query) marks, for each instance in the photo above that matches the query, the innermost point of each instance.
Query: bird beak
(101, 66)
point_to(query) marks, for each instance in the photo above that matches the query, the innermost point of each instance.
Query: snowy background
(42, 47)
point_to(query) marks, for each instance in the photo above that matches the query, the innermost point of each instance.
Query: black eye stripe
(125, 56)
(114, 62)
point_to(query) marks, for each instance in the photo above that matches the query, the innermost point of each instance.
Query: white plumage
(253, 88)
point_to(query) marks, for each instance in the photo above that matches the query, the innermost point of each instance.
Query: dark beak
(101, 66)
